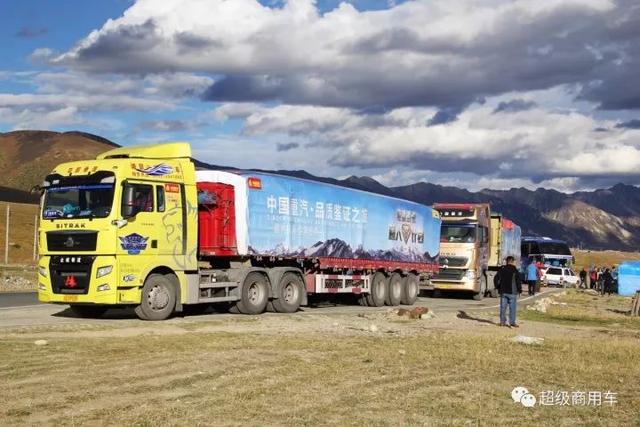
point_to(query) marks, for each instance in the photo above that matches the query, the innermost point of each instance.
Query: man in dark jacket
(509, 285)
(607, 282)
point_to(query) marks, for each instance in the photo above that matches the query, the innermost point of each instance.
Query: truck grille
(72, 241)
(453, 261)
(70, 275)
(449, 274)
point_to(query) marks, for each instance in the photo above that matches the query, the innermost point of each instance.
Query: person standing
(583, 278)
(594, 277)
(509, 286)
(532, 278)
(607, 282)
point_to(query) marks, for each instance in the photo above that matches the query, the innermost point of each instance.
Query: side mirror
(128, 208)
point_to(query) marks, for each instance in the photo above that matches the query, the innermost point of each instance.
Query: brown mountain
(27, 156)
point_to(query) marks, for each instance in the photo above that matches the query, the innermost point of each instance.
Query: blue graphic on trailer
(157, 170)
(293, 217)
(133, 243)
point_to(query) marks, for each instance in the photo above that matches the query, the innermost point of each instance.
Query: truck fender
(276, 273)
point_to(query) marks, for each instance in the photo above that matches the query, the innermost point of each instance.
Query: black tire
(254, 294)
(394, 290)
(88, 311)
(378, 292)
(483, 289)
(410, 289)
(289, 294)
(158, 299)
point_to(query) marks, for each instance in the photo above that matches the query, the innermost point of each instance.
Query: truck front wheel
(378, 292)
(158, 298)
(254, 294)
(483, 289)
(289, 294)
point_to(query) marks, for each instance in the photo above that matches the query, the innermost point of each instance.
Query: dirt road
(23, 309)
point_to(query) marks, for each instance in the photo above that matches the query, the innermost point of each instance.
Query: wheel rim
(158, 298)
(290, 293)
(254, 293)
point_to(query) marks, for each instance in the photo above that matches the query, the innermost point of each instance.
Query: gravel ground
(10, 283)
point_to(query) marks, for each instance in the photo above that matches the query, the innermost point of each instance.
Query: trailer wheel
(394, 290)
(158, 298)
(254, 294)
(410, 289)
(378, 292)
(88, 311)
(289, 293)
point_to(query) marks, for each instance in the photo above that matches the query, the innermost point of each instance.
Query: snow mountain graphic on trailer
(157, 170)
(337, 248)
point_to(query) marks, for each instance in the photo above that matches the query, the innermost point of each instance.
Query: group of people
(601, 279)
(509, 281)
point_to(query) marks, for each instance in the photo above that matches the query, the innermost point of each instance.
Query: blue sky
(465, 93)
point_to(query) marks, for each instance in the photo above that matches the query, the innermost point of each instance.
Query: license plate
(70, 298)
(445, 287)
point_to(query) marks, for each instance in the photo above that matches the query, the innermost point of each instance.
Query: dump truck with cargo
(474, 244)
(139, 226)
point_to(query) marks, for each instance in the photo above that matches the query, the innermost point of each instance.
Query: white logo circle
(518, 392)
(528, 400)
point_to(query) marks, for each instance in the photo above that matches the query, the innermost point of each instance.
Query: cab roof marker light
(254, 183)
(108, 180)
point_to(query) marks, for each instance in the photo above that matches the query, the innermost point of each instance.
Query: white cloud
(544, 145)
(423, 52)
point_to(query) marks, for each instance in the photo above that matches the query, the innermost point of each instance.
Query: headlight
(104, 287)
(470, 274)
(42, 270)
(103, 271)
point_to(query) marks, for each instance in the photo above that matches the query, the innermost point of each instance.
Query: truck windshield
(75, 197)
(458, 233)
(554, 248)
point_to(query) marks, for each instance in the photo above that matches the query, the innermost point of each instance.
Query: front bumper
(99, 290)
(456, 285)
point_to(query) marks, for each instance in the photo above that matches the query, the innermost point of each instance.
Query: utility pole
(6, 238)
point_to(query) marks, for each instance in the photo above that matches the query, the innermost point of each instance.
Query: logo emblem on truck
(133, 243)
(69, 243)
(160, 169)
(70, 282)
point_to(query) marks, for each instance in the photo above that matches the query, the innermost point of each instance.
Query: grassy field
(21, 228)
(308, 370)
(585, 309)
(602, 258)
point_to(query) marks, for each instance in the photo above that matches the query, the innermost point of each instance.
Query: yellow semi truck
(140, 226)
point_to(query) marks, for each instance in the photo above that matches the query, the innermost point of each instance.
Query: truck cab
(109, 224)
(464, 248)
